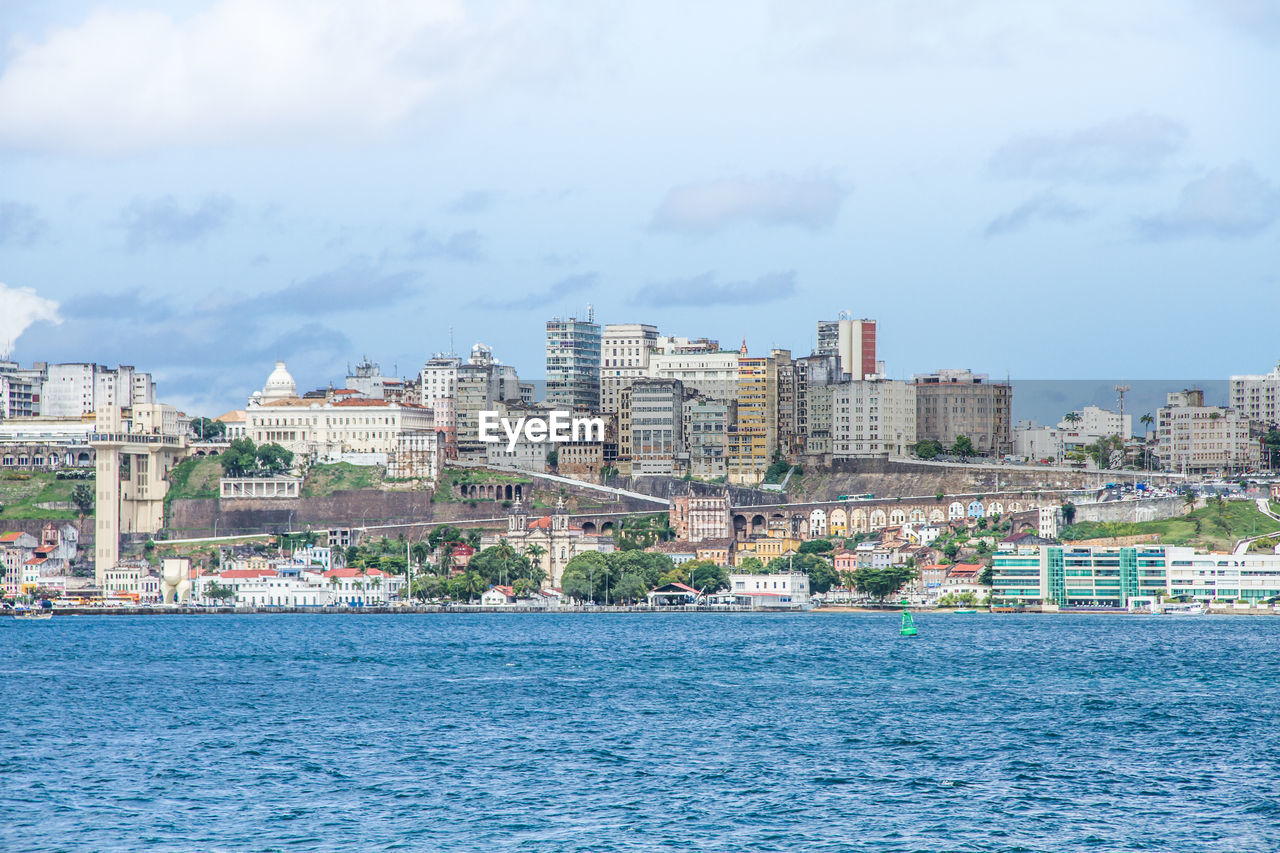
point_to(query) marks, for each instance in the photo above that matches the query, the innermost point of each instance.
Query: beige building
(872, 418)
(624, 357)
(132, 460)
(1193, 438)
(699, 365)
(952, 403)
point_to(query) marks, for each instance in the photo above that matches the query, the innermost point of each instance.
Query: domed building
(280, 386)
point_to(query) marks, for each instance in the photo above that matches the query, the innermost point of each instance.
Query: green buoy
(908, 625)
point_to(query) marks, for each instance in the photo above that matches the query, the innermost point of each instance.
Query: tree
(951, 550)
(240, 459)
(218, 592)
(750, 566)
(587, 574)
(984, 576)
(630, 588)
(1146, 420)
(1069, 513)
(880, 583)
(705, 576)
(962, 447)
(273, 459)
(82, 496)
(928, 448)
(553, 458)
(821, 576)
(816, 546)
(1073, 418)
(205, 429)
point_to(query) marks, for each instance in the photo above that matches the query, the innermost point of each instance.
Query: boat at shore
(31, 615)
(1182, 608)
(964, 611)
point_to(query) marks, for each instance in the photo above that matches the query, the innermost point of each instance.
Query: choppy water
(702, 732)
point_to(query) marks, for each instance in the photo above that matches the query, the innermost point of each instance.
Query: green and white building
(1076, 576)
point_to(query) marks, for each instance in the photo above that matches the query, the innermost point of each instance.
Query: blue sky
(1046, 190)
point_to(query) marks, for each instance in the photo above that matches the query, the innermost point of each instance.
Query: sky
(1047, 190)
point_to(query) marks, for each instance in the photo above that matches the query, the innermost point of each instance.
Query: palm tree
(1073, 418)
(535, 553)
(1146, 420)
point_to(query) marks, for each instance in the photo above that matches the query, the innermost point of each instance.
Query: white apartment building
(74, 390)
(1095, 423)
(1255, 396)
(439, 378)
(624, 357)
(714, 375)
(1196, 439)
(872, 418)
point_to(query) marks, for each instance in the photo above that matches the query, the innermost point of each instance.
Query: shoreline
(421, 610)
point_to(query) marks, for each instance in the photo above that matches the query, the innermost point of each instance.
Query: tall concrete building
(1256, 396)
(1193, 438)
(132, 461)
(624, 357)
(788, 438)
(952, 403)
(699, 364)
(20, 389)
(74, 390)
(814, 376)
(754, 436)
(481, 384)
(872, 418)
(706, 432)
(851, 341)
(656, 420)
(573, 363)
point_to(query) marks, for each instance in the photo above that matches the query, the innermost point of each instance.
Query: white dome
(280, 384)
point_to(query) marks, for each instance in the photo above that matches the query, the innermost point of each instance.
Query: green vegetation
(627, 576)
(638, 532)
(245, 459)
(195, 477)
(880, 583)
(821, 575)
(22, 493)
(324, 480)
(451, 477)
(1215, 526)
(778, 469)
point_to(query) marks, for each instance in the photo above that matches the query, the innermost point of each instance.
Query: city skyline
(963, 197)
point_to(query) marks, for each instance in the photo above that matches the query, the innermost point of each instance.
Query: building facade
(1193, 438)
(872, 418)
(952, 403)
(1255, 396)
(573, 363)
(852, 342)
(624, 357)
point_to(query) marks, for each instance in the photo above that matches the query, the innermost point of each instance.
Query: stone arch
(1014, 506)
(1032, 505)
(818, 522)
(82, 458)
(995, 508)
(917, 516)
(589, 528)
(838, 523)
(802, 527)
(858, 521)
(955, 511)
(878, 519)
(897, 518)
(740, 526)
(510, 492)
(777, 516)
(606, 527)
(199, 453)
(975, 510)
(758, 523)
(937, 516)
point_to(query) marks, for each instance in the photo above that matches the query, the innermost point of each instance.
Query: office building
(573, 363)
(952, 403)
(624, 357)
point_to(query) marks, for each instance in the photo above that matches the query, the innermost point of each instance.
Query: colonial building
(556, 540)
(696, 518)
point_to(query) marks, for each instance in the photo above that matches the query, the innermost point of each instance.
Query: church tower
(517, 520)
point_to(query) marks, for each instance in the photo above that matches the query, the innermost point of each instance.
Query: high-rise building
(74, 390)
(872, 418)
(20, 389)
(706, 425)
(952, 403)
(814, 376)
(656, 408)
(753, 438)
(703, 368)
(624, 356)
(1256, 396)
(573, 363)
(853, 342)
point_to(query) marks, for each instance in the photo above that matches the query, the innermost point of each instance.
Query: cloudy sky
(1048, 190)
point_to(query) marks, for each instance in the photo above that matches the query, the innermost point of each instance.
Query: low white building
(785, 589)
(137, 581)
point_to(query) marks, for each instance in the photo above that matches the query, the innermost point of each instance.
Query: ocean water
(707, 732)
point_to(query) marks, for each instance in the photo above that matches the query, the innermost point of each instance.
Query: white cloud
(19, 308)
(812, 202)
(254, 71)
(1126, 149)
(1226, 203)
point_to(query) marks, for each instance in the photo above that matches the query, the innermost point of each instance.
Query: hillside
(1214, 527)
(37, 495)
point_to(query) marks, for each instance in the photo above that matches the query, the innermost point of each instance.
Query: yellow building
(754, 436)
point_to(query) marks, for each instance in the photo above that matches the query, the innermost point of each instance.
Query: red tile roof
(238, 574)
(964, 570)
(10, 537)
